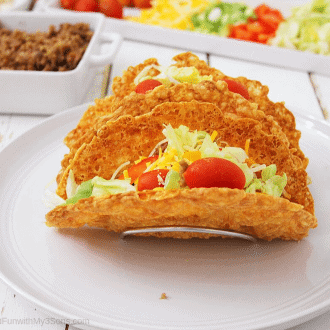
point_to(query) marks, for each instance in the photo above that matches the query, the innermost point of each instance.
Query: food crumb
(163, 296)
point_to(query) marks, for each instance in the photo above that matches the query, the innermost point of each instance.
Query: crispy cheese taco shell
(124, 85)
(259, 215)
(139, 104)
(128, 138)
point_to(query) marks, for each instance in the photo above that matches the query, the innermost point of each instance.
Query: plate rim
(292, 320)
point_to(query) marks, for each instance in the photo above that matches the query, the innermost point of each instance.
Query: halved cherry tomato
(147, 85)
(238, 88)
(111, 8)
(152, 179)
(136, 170)
(214, 172)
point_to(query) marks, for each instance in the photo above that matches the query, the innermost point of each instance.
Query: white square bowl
(47, 92)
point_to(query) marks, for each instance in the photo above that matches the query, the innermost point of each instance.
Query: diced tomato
(272, 21)
(255, 27)
(152, 179)
(214, 172)
(260, 29)
(238, 88)
(262, 10)
(86, 5)
(111, 8)
(136, 170)
(240, 32)
(147, 85)
(142, 4)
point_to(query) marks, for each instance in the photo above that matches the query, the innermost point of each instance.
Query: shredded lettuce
(110, 187)
(172, 180)
(172, 74)
(71, 186)
(234, 154)
(209, 148)
(217, 17)
(188, 75)
(99, 187)
(83, 191)
(181, 139)
(247, 172)
(269, 183)
(307, 29)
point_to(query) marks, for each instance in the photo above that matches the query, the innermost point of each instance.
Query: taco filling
(186, 159)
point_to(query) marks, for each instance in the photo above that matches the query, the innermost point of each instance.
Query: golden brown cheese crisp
(258, 93)
(259, 215)
(128, 138)
(139, 104)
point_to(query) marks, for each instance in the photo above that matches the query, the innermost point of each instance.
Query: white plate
(93, 277)
(194, 41)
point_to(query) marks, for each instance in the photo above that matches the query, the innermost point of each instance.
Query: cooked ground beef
(55, 50)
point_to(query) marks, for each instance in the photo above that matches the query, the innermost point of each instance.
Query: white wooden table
(303, 93)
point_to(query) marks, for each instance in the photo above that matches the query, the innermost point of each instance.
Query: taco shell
(127, 138)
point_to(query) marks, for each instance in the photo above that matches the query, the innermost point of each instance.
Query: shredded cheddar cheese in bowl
(171, 13)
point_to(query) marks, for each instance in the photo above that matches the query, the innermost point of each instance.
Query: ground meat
(55, 50)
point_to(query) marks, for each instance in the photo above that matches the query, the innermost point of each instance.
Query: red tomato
(67, 4)
(147, 85)
(126, 3)
(136, 170)
(86, 5)
(142, 4)
(238, 88)
(111, 8)
(271, 21)
(151, 180)
(214, 172)
(240, 32)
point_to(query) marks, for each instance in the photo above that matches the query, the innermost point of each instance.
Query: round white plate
(92, 276)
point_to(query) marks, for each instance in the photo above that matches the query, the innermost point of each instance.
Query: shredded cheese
(118, 170)
(192, 155)
(247, 146)
(140, 159)
(176, 167)
(126, 176)
(214, 135)
(171, 13)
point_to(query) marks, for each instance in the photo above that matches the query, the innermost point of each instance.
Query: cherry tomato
(136, 170)
(67, 4)
(126, 3)
(147, 85)
(142, 4)
(86, 5)
(152, 179)
(238, 88)
(214, 172)
(111, 8)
